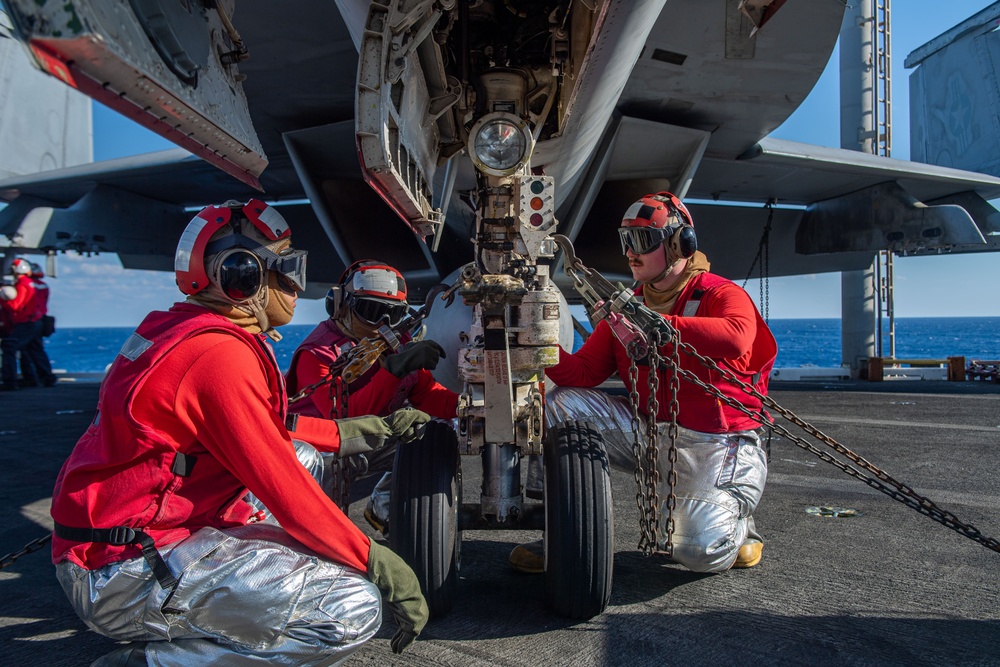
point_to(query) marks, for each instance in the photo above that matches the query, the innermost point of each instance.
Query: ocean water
(801, 342)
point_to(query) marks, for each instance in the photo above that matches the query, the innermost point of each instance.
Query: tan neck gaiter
(662, 301)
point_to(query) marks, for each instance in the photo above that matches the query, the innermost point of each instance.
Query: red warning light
(535, 220)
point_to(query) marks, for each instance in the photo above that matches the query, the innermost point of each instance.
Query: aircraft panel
(796, 173)
(44, 124)
(955, 101)
(701, 69)
(173, 176)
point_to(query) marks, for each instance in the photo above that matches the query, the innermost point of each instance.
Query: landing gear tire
(423, 514)
(579, 528)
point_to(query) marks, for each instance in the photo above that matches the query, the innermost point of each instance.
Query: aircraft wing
(136, 207)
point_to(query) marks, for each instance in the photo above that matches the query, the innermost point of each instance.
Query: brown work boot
(528, 558)
(749, 554)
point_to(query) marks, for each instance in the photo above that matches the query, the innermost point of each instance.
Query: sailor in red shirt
(37, 373)
(155, 541)
(25, 320)
(721, 466)
(369, 294)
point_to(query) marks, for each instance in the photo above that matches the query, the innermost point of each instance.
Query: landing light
(500, 143)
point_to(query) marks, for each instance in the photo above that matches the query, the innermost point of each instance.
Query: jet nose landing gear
(427, 517)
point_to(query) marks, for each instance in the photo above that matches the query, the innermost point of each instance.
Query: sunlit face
(648, 267)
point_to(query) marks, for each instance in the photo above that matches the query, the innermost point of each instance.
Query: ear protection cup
(682, 244)
(334, 301)
(239, 274)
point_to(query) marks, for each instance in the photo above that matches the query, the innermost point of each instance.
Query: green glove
(401, 592)
(414, 356)
(407, 423)
(359, 435)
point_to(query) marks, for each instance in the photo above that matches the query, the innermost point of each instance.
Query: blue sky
(98, 292)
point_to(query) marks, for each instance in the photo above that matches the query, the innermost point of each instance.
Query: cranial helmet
(232, 246)
(21, 267)
(36, 270)
(373, 291)
(657, 218)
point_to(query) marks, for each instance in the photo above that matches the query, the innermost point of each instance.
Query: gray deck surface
(889, 587)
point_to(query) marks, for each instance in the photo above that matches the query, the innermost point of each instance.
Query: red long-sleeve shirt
(188, 382)
(215, 372)
(727, 329)
(21, 308)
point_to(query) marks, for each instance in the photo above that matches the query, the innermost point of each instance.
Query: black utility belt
(124, 536)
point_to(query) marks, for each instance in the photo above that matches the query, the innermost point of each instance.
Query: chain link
(647, 533)
(675, 408)
(34, 545)
(651, 454)
(763, 255)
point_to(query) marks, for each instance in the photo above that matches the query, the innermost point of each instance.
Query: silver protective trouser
(315, 464)
(720, 476)
(250, 595)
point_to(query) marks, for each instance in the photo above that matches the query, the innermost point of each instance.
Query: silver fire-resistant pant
(720, 476)
(250, 595)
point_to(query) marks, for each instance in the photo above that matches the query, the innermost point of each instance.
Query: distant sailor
(369, 294)
(31, 375)
(721, 465)
(155, 542)
(24, 312)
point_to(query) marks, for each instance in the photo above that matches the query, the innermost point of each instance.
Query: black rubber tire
(423, 514)
(579, 525)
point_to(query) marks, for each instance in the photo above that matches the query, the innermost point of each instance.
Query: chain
(34, 545)
(763, 255)
(675, 408)
(652, 437)
(880, 480)
(766, 278)
(647, 468)
(332, 373)
(611, 300)
(652, 453)
(647, 532)
(340, 487)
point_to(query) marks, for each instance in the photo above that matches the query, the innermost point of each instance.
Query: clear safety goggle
(289, 264)
(375, 311)
(642, 240)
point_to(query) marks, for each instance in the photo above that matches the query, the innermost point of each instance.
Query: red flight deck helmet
(374, 291)
(657, 218)
(242, 256)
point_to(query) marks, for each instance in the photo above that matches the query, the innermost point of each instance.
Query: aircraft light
(500, 143)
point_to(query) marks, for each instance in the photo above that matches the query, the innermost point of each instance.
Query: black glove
(414, 356)
(401, 593)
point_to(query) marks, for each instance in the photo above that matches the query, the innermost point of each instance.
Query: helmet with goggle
(20, 267)
(657, 218)
(375, 292)
(233, 246)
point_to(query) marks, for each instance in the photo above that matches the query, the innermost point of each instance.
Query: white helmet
(21, 267)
